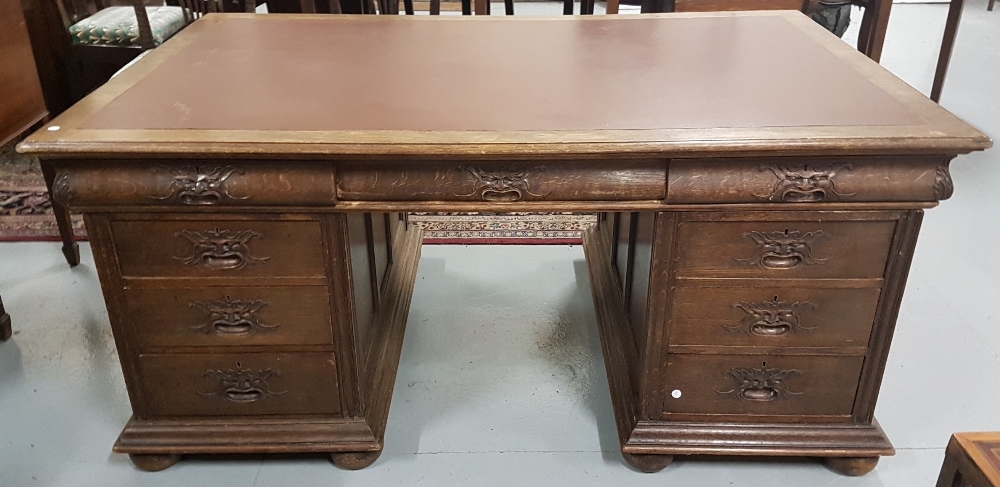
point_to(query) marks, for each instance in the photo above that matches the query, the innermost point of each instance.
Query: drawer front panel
(791, 180)
(225, 316)
(502, 181)
(240, 384)
(196, 183)
(773, 316)
(761, 385)
(783, 249)
(219, 248)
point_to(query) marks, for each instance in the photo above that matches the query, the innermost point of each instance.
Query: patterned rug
(503, 228)
(26, 215)
(25, 210)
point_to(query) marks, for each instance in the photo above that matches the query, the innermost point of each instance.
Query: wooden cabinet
(21, 102)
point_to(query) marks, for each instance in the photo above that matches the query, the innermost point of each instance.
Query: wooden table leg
(70, 248)
(947, 44)
(307, 6)
(481, 7)
(612, 7)
(5, 329)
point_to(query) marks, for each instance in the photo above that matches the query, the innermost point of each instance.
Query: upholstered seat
(117, 26)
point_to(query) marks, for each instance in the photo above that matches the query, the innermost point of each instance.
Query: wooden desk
(761, 187)
(971, 460)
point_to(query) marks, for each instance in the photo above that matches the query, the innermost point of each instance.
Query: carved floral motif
(197, 185)
(770, 318)
(230, 317)
(240, 385)
(760, 384)
(943, 186)
(507, 183)
(61, 191)
(220, 249)
(799, 183)
(783, 249)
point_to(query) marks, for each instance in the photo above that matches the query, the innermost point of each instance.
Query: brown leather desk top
(283, 84)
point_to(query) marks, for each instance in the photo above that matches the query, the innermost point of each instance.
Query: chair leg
(488, 3)
(408, 6)
(567, 7)
(612, 7)
(990, 6)
(435, 7)
(70, 248)
(947, 45)
(508, 7)
(586, 7)
(5, 329)
(466, 7)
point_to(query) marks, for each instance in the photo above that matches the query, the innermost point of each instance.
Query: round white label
(676, 394)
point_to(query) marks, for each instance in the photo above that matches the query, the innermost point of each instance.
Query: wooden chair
(948, 44)
(870, 38)
(482, 7)
(5, 330)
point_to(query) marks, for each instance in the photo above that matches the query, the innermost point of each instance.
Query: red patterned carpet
(502, 228)
(25, 211)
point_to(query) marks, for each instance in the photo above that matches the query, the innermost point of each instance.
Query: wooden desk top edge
(969, 443)
(944, 133)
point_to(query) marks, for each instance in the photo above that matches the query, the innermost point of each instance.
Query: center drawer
(503, 181)
(230, 316)
(240, 384)
(773, 316)
(219, 248)
(761, 385)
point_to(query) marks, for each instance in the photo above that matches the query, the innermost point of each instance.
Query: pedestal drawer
(240, 384)
(773, 316)
(760, 385)
(219, 248)
(230, 316)
(791, 249)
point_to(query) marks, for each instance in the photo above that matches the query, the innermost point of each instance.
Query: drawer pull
(505, 184)
(241, 386)
(220, 249)
(770, 318)
(760, 384)
(199, 185)
(804, 183)
(230, 317)
(783, 249)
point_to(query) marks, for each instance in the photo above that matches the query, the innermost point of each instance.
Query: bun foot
(153, 463)
(355, 460)
(72, 254)
(648, 463)
(852, 466)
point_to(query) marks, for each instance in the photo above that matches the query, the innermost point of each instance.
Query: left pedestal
(251, 332)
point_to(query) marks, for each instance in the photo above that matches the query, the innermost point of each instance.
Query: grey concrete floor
(501, 380)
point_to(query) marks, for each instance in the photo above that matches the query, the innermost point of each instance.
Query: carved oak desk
(760, 185)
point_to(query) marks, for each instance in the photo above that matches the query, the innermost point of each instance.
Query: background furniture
(971, 460)
(747, 270)
(870, 38)
(21, 103)
(948, 45)
(5, 329)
